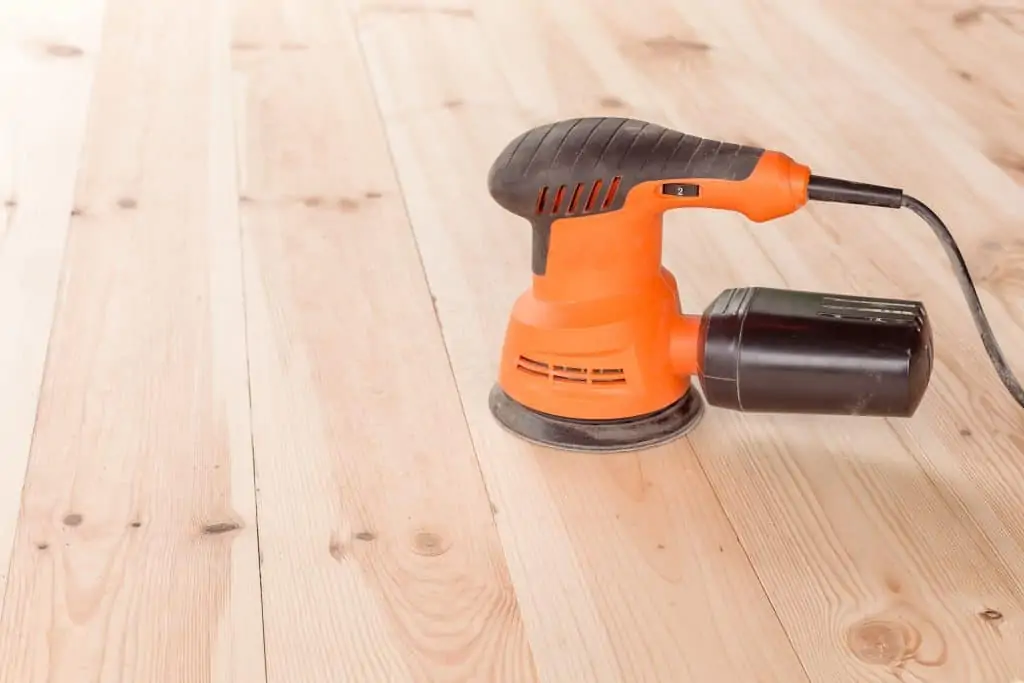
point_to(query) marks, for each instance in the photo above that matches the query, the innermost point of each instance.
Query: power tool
(598, 354)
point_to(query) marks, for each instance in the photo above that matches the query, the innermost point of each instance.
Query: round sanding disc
(598, 436)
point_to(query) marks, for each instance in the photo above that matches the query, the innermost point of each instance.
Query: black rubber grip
(585, 166)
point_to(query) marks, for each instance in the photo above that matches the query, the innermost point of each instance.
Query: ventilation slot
(610, 197)
(574, 202)
(849, 308)
(559, 195)
(533, 367)
(608, 376)
(593, 195)
(563, 373)
(571, 374)
(541, 199)
(553, 203)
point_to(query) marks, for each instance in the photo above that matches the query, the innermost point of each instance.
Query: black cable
(826, 189)
(995, 354)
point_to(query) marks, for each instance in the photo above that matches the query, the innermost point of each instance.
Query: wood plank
(46, 71)
(626, 565)
(136, 554)
(948, 50)
(877, 570)
(381, 561)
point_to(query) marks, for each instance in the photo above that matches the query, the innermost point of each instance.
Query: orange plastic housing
(601, 333)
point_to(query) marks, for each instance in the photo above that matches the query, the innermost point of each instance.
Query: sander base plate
(597, 436)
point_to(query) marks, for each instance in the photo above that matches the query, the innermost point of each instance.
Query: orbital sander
(598, 354)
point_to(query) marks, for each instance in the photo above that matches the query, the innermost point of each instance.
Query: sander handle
(577, 168)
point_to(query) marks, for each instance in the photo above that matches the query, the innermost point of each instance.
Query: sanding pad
(597, 436)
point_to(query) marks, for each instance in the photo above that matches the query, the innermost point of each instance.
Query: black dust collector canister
(783, 351)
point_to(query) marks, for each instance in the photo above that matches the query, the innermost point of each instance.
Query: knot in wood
(217, 528)
(429, 544)
(882, 642)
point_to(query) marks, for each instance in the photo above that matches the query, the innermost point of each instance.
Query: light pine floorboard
(381, 560)
(253, 290)
(135, 556)
(47, 64)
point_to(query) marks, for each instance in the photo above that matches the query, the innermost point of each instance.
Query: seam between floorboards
(225, 7)
(396, 175)
(658, 104)
(354, 19)
(248, 374)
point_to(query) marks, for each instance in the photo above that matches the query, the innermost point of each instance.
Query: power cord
(963, 276)
(821, 188)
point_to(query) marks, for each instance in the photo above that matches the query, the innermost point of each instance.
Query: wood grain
(135, 557)
(46, 72)
(252, 297)
(963, 55)
(381, 561)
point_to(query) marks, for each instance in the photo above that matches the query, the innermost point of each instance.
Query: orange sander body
(598, 353)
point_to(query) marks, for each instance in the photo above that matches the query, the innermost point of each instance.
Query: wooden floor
(253, 290)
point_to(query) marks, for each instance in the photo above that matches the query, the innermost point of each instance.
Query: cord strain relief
(825, 189)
